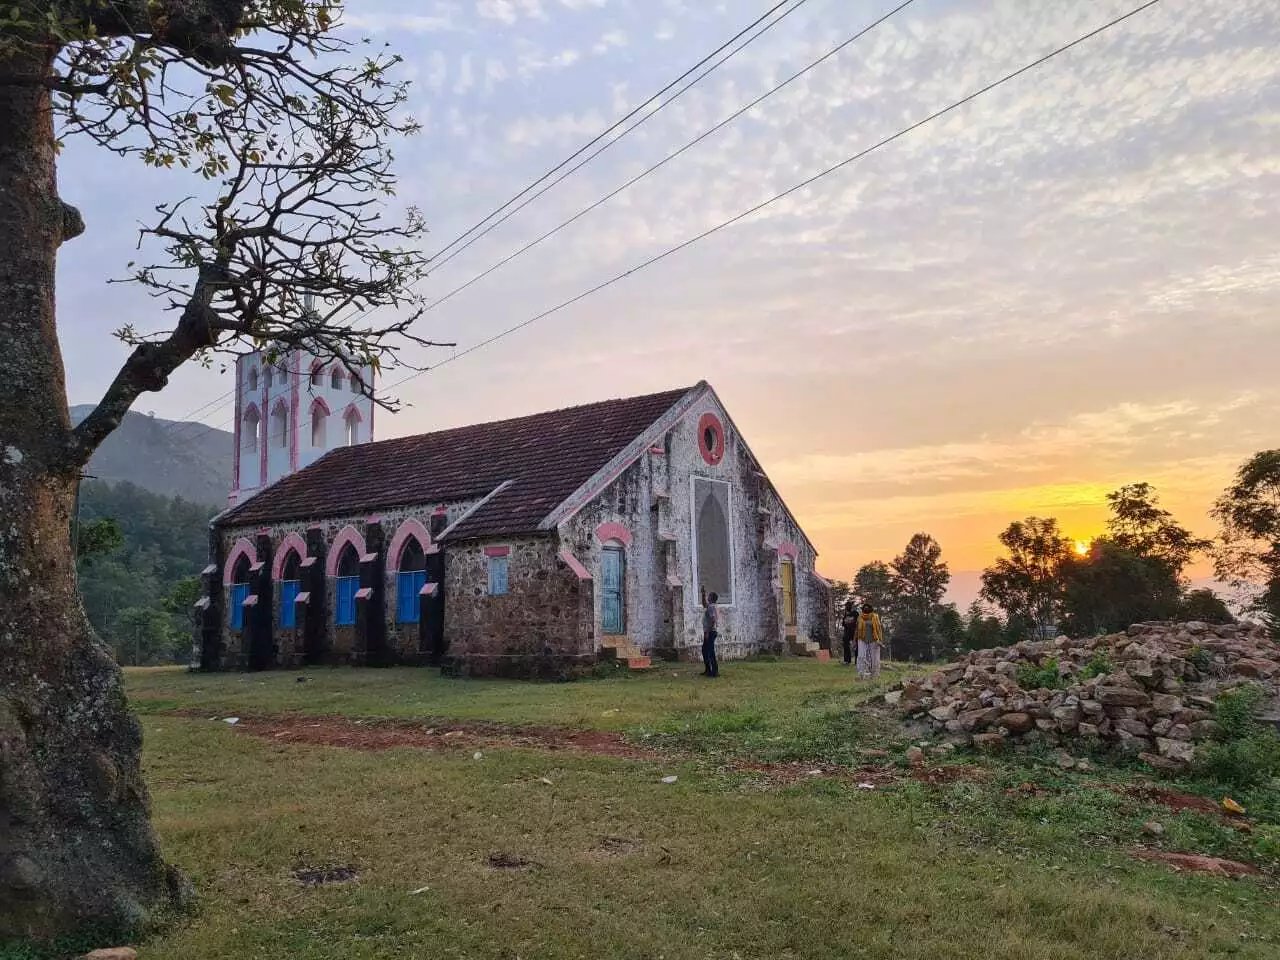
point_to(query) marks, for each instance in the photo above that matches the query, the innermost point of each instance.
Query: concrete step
(638, 663)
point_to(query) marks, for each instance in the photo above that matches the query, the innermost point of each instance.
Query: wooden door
(613, 591)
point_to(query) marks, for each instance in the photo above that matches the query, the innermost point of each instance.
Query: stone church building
(528, 547)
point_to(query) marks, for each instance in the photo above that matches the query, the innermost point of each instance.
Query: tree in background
(840, 594)
(143, 635)
(1248, 554)
(919, 578)
(920, 575)
(1204, 605)
(1140, 526)
(97, 538)
(285, 127)
(982, 629)
(1112, 587)
(1028, 584)
(874, 584)
(948, 627)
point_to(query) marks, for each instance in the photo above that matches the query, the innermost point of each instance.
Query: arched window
(319, 424)
(356, 385)
(348, 582)
(269, 372)
(290, 587)
(713, 551)
(239, 592)
(353, 428)
(252, 378)
(613, 589)
(317, 374)
(249, 430)
(279, 426)
(337, 378)
(410, 581)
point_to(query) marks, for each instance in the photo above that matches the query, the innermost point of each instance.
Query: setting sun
(1082, 548)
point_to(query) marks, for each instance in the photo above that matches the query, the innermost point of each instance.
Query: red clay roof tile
(547, 456)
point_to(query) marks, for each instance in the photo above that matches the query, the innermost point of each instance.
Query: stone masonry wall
(542, 627)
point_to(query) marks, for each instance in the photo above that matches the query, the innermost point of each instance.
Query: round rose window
(711, 438)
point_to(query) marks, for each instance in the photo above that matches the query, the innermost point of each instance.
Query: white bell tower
(292, 412)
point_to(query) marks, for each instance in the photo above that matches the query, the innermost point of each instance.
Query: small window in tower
(249, 431)
(269, 373)
(279, 426)
(317, 375)
(251, 379)
(319, 422)
(336, 379)
(353, 429)
(356, 385)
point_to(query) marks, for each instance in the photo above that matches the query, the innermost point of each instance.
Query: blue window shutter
(345, 614)
(408, 586)
(288, 607)
(239, 594)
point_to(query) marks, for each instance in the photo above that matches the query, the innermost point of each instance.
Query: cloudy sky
(1069, 284)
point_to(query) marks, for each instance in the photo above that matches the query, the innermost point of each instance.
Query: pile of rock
(1150, 691)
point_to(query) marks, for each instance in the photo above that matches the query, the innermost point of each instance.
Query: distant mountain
(168, 457)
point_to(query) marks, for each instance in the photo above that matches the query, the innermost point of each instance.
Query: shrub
(1046, 676)
(1201, 659)
(1098, 665)
(1247, 751)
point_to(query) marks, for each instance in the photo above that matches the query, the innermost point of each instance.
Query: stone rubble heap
(1149, 691)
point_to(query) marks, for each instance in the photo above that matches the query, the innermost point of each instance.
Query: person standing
(710, 625)
(870, 634)
(848, 624)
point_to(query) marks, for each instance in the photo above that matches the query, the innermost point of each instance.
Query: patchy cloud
(1065, 285)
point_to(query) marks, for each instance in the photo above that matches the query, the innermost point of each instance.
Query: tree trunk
(77, 853)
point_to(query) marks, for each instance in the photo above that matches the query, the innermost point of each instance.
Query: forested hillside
(138, 587)
(173, 458)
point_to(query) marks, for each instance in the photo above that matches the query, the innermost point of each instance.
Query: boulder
(1116, 696)
(1177, 750)
(978, 719)
(989, 742)
(1165, 704)
(1016, 723)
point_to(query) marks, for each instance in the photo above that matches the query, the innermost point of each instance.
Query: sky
(1066, 285)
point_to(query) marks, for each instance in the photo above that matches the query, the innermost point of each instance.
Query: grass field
(483, 847)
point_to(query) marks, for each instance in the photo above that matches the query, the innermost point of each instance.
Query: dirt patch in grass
(501, 860)
(1177, 801)
(310, 876)
(382, 734)
(1197, 863)
(390, 734)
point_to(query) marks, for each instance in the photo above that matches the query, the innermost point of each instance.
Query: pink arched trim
(613, 531)
(319, 404)
(787, 551)
(280, 404)
(243, 548)
(348, 535)
(252, 407)
(410, 528)
(353, 413)
(290, 544)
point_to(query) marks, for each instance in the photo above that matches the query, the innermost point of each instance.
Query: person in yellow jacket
(870, 635)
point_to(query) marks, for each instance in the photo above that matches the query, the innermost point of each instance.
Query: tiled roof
(546, 457)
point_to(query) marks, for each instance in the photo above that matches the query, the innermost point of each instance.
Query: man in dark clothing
(710, 621)
(848, 627)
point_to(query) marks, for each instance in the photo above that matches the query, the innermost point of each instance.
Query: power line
(750, 211)
(621, 120)
(572, 170)
(223, 398)
(785, 193)
(669, 157)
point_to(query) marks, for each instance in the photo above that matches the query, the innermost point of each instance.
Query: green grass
(1018, 860)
